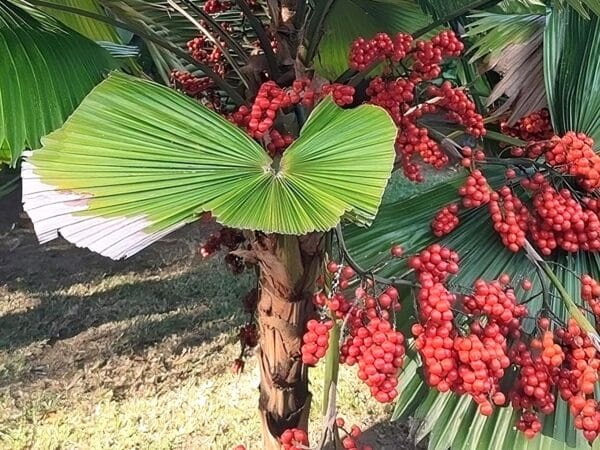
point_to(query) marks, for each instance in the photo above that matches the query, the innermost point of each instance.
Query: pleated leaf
(442, 8)
(90, 28)
(349, 19)
(138, 160)
(512, 46)
(159, 19)
(46, 69)
(571, 71)
(585, 8)
(448, 420)
(493, 32)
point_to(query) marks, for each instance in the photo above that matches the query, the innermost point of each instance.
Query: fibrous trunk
(288, 268)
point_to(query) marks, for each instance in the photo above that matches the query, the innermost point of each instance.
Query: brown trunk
(288, 267)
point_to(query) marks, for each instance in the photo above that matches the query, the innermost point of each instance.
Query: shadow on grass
(203, 292)
(28, 266)
(63, 309)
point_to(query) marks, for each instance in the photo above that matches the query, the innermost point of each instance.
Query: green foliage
(512, 46)
(493, 32)
(157, 18)
(349, 19)
(90, 28)
(582, 7)
(571, 68)
(133, 178)
(449, 420)
(47, 70)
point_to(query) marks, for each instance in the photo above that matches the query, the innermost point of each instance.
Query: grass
(97, 354)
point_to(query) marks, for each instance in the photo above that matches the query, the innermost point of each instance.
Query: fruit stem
(572, 307)
(332, 366)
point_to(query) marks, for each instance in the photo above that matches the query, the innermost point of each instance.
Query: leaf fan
(138, 160)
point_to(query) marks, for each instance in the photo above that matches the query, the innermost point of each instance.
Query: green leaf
(572, 71)
(582, 7)
(493, 32)
(90, 28)
(446, 10)
(512, 45)
(454, 423)
(46, 70)
(138, 160)
(159, 19)
(349, 19)
(119, 50)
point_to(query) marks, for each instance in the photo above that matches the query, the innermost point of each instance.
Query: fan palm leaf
(138, 160)
(46, 70)
(451, 421)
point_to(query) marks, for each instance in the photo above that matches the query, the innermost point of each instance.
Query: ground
(136, 354)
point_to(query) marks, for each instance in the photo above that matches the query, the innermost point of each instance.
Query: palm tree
(137, 160)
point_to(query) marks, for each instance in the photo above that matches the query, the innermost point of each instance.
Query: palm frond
(585, 8)
(160, 18)
(46, 70)
(90, 28)
(512, 45)
(119, 50)
(451, 421)
(571, 68)
(138, 160)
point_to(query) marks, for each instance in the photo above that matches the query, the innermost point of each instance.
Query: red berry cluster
(445, 221)
(482, 360)
(303, 89)
(294, 439)
(510, 218)
(427, 61)
(342, 94)
(315, 341)
(412, 141)
(561, 221)
(393, 95)
(449, 43)
(533, 127)
(349, 442)
(216, 6)
(459, 108)
(397, 94)
(573, 154)
(188, 83)
(260, 117)
(225, 237)
(566, 359)
(476, 191)
(497, 301)
(364, 53)
(472, 363)
(435, 262)
(371, 341)
(379, 351)
(577, 378)
(532, 391)
(469, 156)
(205, 51)
(429, 54)
(435, 334)
(590, 293)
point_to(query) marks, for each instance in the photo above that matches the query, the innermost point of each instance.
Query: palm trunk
(288, 268)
